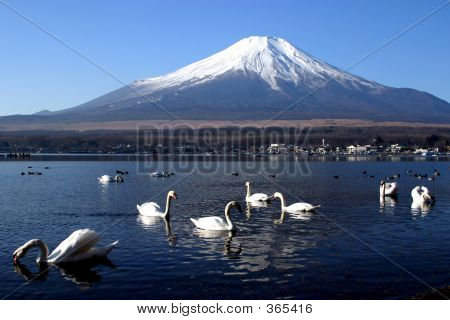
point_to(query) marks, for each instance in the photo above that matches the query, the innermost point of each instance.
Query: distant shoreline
(219, 157)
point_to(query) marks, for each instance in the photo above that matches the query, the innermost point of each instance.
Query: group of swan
(79, 246)
(421, 195)
(256, 198)
(152, 209)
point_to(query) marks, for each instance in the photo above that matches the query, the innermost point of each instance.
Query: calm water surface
(350, 248)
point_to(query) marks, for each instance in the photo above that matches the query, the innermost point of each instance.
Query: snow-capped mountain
(256, 78)
(272, 59)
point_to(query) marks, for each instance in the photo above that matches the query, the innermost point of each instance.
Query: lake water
(350, 248)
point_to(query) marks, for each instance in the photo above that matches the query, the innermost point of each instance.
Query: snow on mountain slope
(258, 78)
(271, 58)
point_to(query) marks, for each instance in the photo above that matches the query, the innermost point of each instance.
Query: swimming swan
(389, 189)
(107, 179)
(217, 223)
(255, 197)
(296, 207)
(159, 174)
(152, 209)
(421, 195)
(77, 247)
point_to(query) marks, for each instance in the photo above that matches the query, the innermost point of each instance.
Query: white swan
(159, 174)
(107, 179)
(257, 197)
(78, 246)
(421, 196)
(296, 207)
(152, 209)
(217, 223)
(389, 189)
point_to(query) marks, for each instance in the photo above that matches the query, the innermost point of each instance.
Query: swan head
(172, 194)
(247, 184)
(382, 183)
(426, 196)
(22, 251)
(276, 195)
(19, 253)
(236, 205)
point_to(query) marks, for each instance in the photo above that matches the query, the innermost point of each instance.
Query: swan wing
(91, 253)
(211, 223)
(415, 194)
(149, 209)
(105, 178)
(301, 206)
(258, 197)
(391, 189)
(78, 242)
(150, 205)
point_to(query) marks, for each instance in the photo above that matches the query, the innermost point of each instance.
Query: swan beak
(15, 259)
(174, 196)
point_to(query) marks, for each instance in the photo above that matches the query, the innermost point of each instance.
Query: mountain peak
(256, 78)
(270, 58)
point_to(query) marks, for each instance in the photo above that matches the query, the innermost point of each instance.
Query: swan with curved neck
(152, 209)
(78, 246)
(296, 207)
(421, 196)
(218, 223)
(255, 197)
(389, 189)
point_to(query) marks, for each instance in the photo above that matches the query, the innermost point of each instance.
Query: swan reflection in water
(230, 250)
(151, 222)
(80, 273)
(281, 219)
(300, 215)
(258, 204)
(305, 216)
(420, 209)
(250, 208)
(388, 203)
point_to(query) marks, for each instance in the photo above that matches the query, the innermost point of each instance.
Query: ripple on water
(343, 250)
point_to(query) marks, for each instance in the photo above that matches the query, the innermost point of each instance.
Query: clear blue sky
(139, 39)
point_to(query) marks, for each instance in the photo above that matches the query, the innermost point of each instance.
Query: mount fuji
(260, 78)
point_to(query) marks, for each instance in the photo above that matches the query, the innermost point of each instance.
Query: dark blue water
(350, 248)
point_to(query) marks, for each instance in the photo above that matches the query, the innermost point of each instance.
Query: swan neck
(43, 249)
(283, 204)
(248, 190)
(227, 216)
(168, 200)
